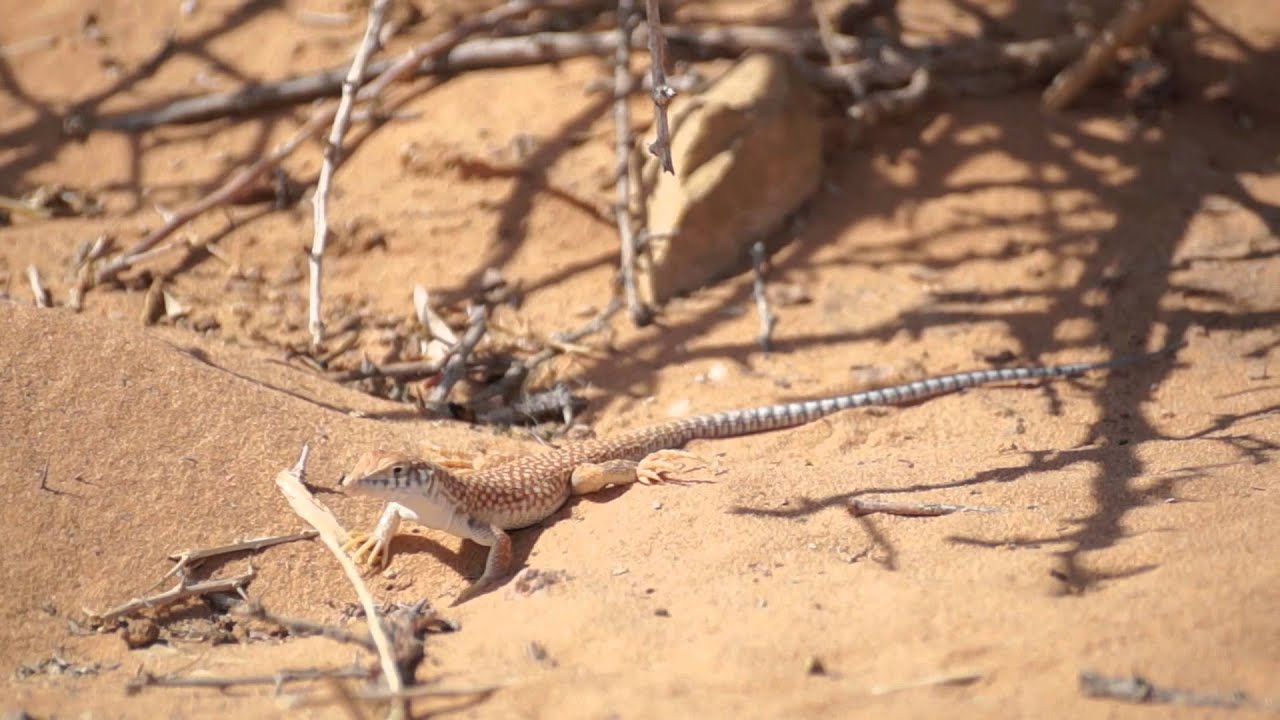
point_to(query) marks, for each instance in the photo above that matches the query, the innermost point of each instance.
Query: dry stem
(278, 679)
(181, 591)
(456, 365)
(859, 507)
(1135, 18)
(662, 92)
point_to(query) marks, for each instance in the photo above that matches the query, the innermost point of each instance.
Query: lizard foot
(655, 468)
(368, 551)
(663, 465)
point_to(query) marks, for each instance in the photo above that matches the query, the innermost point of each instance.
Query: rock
(748, 154)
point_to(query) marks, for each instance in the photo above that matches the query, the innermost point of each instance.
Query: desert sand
(1137, 512)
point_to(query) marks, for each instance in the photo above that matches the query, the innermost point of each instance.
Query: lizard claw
(367, 551)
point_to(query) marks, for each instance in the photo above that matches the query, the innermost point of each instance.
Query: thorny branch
(661, 91)
(319, 118)
(332, 157)
(1029, 59)
(456, 364)
(181, 591)
(622, 84)
(185, 559)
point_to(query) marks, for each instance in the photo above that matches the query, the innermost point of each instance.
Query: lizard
(485, 504)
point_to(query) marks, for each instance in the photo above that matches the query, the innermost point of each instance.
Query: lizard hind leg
(656, 468)
(496, 565)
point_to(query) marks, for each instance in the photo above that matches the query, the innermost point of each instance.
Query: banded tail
(732, 423)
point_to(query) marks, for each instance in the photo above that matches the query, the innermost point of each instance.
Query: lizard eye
(397, 471)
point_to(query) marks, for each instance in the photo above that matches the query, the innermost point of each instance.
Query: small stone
(662, 612)
(815, 667)
(657, 505)
(620, 571)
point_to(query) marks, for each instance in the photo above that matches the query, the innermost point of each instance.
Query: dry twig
(403, 371)
(456, 364)
(181, 591)
(319, 118)
(186, 559)
(483, 53)
(332, 535)
(662, 92)
(332, 157)
(767, 319)
(859, 507)
(38, 291)
(519, 370)
(1139, 690)
(306, 628)
(278, 679)
(1137, 17)
(229, 191)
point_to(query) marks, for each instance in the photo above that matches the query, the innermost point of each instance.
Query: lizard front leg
(374, 551)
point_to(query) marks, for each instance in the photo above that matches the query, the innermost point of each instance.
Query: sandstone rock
(748, 153)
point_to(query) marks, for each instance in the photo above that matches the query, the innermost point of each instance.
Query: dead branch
(519, 370)
(661, 92)
(307, 628)
(891, 103)
(188, 558)
(229, 191)
(403, 371)
(366, 695)
(456, 364)
(38, 291)
(332, 157)
(319, 118)
(767, 319)
(1139, 690)
(622, 85)
(471, 55)
(332, 535)
(1026, 60)
(278, 679)
(858, 507)
(181, 591)
(1137, 17)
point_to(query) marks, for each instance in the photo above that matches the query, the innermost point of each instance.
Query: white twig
(332, 157)
(332, 535)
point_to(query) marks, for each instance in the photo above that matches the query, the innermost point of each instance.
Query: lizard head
(379, 473)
